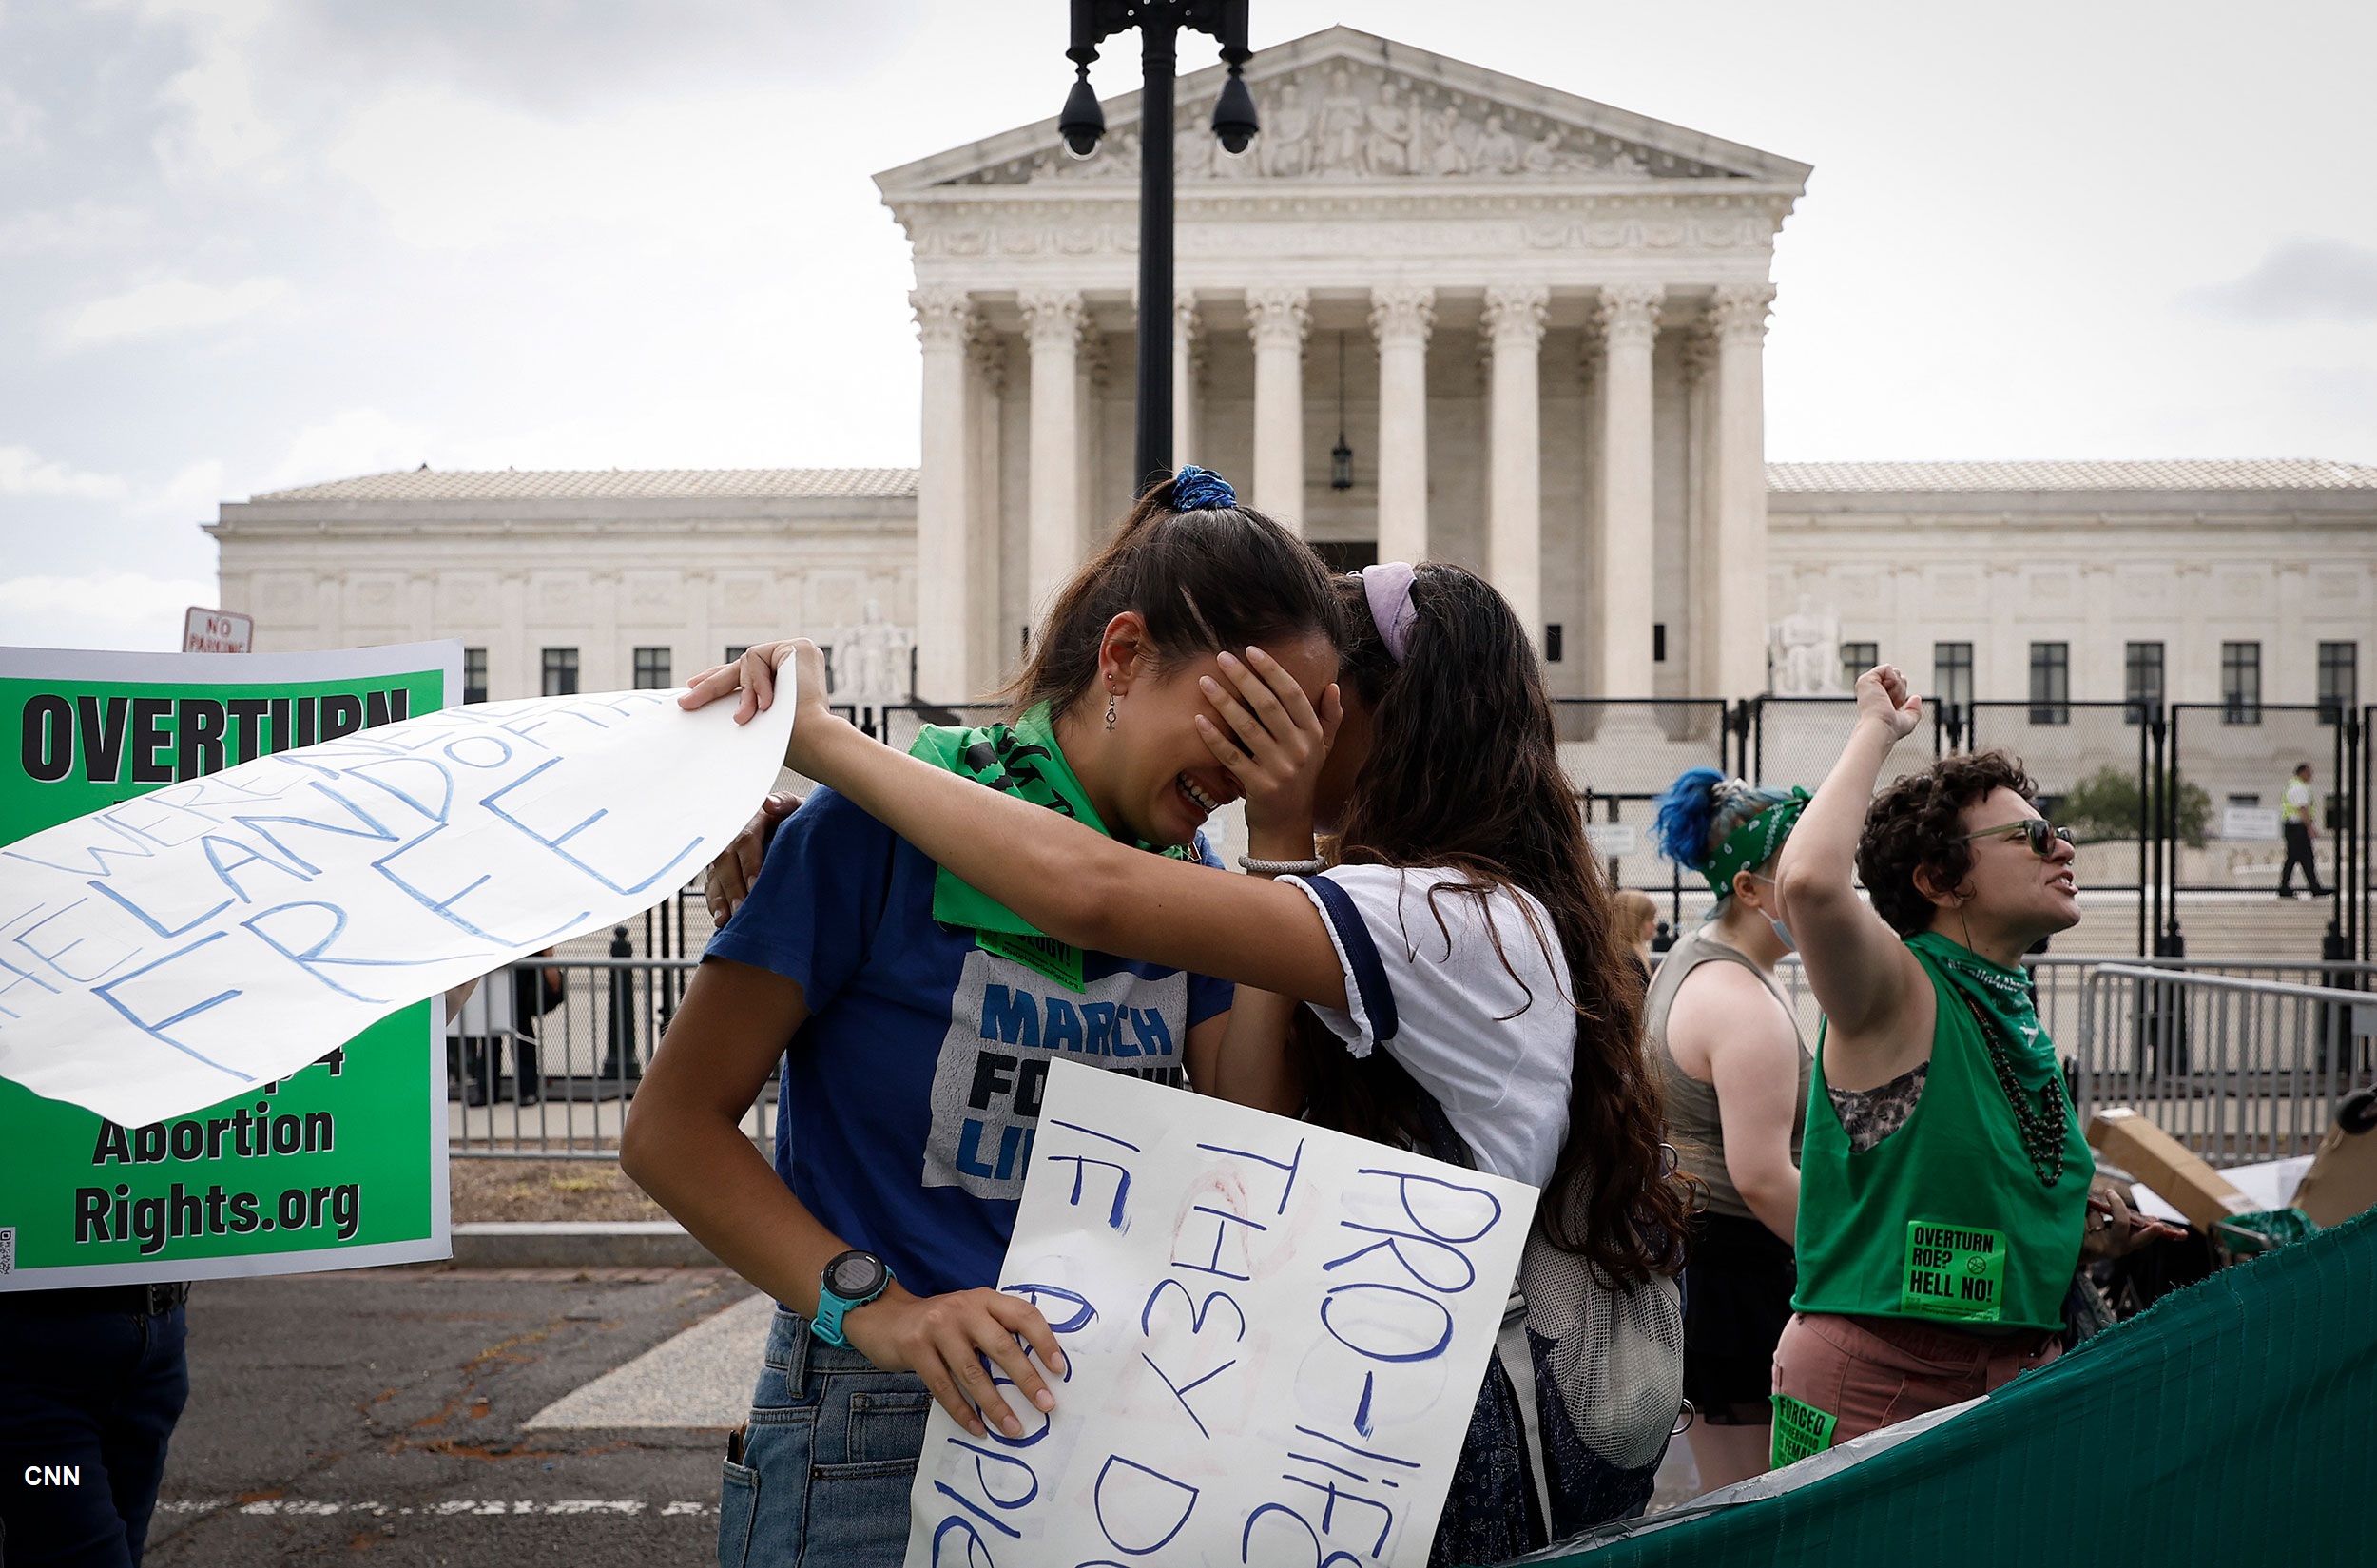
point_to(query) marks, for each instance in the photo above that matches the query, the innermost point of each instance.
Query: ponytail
(1213, 576)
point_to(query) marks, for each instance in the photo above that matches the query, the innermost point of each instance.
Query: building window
(2339, 680)
(651, 669)
(2141, 682)
(736, 650)
(2051, 683)
(2240, 683)
(1952, 677)
(474, 674)
(561, 672)
(1857, 658)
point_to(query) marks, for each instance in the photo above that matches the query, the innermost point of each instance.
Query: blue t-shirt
(910, 1097)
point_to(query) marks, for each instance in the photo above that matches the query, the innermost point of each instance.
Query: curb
(578, 1244)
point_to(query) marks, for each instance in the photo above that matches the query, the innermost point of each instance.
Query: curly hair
(1918, 823)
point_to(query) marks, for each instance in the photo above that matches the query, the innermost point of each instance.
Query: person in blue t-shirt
(916, 1016)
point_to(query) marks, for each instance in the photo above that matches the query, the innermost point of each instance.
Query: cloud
(219, 127)
(23, 472)
(85, 226)
(118, 609)
(360, 441)
(170, 305)
(2300, 281)
(20, 124)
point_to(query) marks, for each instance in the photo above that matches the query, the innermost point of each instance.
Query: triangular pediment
(1346, 107)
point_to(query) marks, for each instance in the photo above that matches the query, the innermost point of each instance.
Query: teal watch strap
(832, 1307)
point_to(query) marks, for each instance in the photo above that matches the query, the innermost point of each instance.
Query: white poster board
(164, 952)
(1276, 1334)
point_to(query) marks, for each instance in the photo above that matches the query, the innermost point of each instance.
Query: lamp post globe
(1083, 122)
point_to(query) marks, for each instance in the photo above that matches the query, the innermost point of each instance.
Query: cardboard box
(2342, 1181)
(2175, 1174)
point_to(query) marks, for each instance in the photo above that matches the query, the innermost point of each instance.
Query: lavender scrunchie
(1197, 488)
(1387, 585)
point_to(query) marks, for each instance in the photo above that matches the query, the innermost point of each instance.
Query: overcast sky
(248, 243)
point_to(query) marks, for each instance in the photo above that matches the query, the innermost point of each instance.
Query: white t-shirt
(1494, 1042)
(2297, 802)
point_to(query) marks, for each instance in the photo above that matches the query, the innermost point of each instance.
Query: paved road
(377, 1414)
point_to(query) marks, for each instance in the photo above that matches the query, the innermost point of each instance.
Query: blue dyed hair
(1701, 810)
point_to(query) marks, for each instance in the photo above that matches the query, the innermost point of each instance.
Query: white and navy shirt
(1469, 994)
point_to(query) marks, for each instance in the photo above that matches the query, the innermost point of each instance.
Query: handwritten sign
(166, 951)
(1275, 1336)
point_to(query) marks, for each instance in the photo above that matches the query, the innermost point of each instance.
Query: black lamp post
(1083, 122)
(1340, 455)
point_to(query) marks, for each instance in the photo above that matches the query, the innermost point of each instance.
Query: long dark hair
(1464, 772)
(1205, 581)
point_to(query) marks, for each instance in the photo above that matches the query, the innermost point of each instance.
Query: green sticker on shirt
(1799, 1431)
(1954, 1271)
(1046, 956)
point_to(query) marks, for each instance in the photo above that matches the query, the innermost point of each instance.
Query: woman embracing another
(1450, 980)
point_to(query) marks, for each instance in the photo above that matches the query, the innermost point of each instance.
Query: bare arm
(685, 1145)
(1723, 1016)
(1076, 884)
(1869, 985)
(1254, 1066)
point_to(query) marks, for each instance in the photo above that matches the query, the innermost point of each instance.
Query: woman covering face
(1450, 978)
(916, 1011)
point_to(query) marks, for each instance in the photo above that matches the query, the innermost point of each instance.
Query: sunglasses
(2039, 833)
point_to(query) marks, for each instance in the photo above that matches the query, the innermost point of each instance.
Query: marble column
(944, 500)
(1514, 325)
(1052, 321)
(1738, 537)
(991, 647)
(1623, 580)
(1277, 321)
(1187, 335)
(1401, 319)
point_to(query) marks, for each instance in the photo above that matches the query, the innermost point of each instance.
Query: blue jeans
(827, 1460)
(90, 1394)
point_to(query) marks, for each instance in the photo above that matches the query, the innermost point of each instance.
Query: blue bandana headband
(1197, 488)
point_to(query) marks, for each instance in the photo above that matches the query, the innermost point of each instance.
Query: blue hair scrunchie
(1197, 488)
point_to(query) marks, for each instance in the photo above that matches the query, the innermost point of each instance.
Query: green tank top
(1947, 1219)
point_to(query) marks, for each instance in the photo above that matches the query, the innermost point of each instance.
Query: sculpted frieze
(1347, 120)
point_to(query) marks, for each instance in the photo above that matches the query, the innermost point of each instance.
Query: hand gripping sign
(167, 951)
(1275, 1336)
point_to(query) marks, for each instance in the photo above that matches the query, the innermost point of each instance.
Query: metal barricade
(2237, 1069)
(556, 1085)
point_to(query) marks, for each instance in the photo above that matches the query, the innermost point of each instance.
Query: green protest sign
(339, 1165)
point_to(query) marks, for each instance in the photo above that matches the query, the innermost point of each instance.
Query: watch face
(855, 1276)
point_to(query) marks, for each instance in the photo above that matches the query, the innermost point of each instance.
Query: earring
(1110, 710)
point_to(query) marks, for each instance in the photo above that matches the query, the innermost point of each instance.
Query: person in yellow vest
(2299, 824)
(1943, 1181)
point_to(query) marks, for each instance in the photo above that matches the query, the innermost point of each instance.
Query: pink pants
(1868, 1373)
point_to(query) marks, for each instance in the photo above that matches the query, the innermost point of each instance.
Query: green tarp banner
(2235, 1422)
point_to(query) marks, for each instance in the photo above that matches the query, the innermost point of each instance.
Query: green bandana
(2020, 1051)
(1024, 760)
(1755, 842)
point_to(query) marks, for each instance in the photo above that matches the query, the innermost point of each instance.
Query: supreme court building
(1536, 322)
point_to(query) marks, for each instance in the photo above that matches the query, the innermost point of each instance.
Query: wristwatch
(852, 1279)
